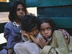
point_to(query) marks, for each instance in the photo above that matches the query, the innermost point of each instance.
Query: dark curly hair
(13, 8)
(48, 20)
(29, 22)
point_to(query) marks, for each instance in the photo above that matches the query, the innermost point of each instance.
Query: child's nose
(46, 31)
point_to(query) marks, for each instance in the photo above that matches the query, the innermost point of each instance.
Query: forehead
(35, 28)
(20, 6)
(32, 30)
(45, 25)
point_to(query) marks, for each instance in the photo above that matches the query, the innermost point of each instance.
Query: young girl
(53, 37)
(12, 29)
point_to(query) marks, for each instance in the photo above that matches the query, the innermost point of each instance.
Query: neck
(18, 22)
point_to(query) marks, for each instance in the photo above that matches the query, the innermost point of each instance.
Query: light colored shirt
(26, 47)
(59, 42)
(70, 45)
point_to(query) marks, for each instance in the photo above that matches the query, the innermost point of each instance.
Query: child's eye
(23, 9)
(18, 9)
(42, 30)
(48, 29)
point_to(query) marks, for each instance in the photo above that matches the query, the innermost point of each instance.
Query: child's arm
(6, 33)
(59, 42)
(7, 30)
(41, 42)
(66, 35)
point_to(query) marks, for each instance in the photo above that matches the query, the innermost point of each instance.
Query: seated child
(53, 37)
(29, 27)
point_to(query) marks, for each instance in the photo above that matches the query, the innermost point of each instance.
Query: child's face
(45, 30)
(20, 11)
(34, 32)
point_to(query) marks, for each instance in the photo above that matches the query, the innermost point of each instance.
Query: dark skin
(41, 43)
(32, 35)
(20, 13)
(46, 33)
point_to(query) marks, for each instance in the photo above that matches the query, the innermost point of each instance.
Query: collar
(15, 24)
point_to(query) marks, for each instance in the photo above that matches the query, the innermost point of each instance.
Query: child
(53, 37)
(12, 28)
(30, 28)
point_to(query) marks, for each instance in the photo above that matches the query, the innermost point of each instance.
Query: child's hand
(24, 34)
(41, 43)
(66, 35)
(34, 39)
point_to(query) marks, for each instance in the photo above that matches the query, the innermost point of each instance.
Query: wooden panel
(32, 3)
(60, 11)
(46, 3)
(61, 15)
